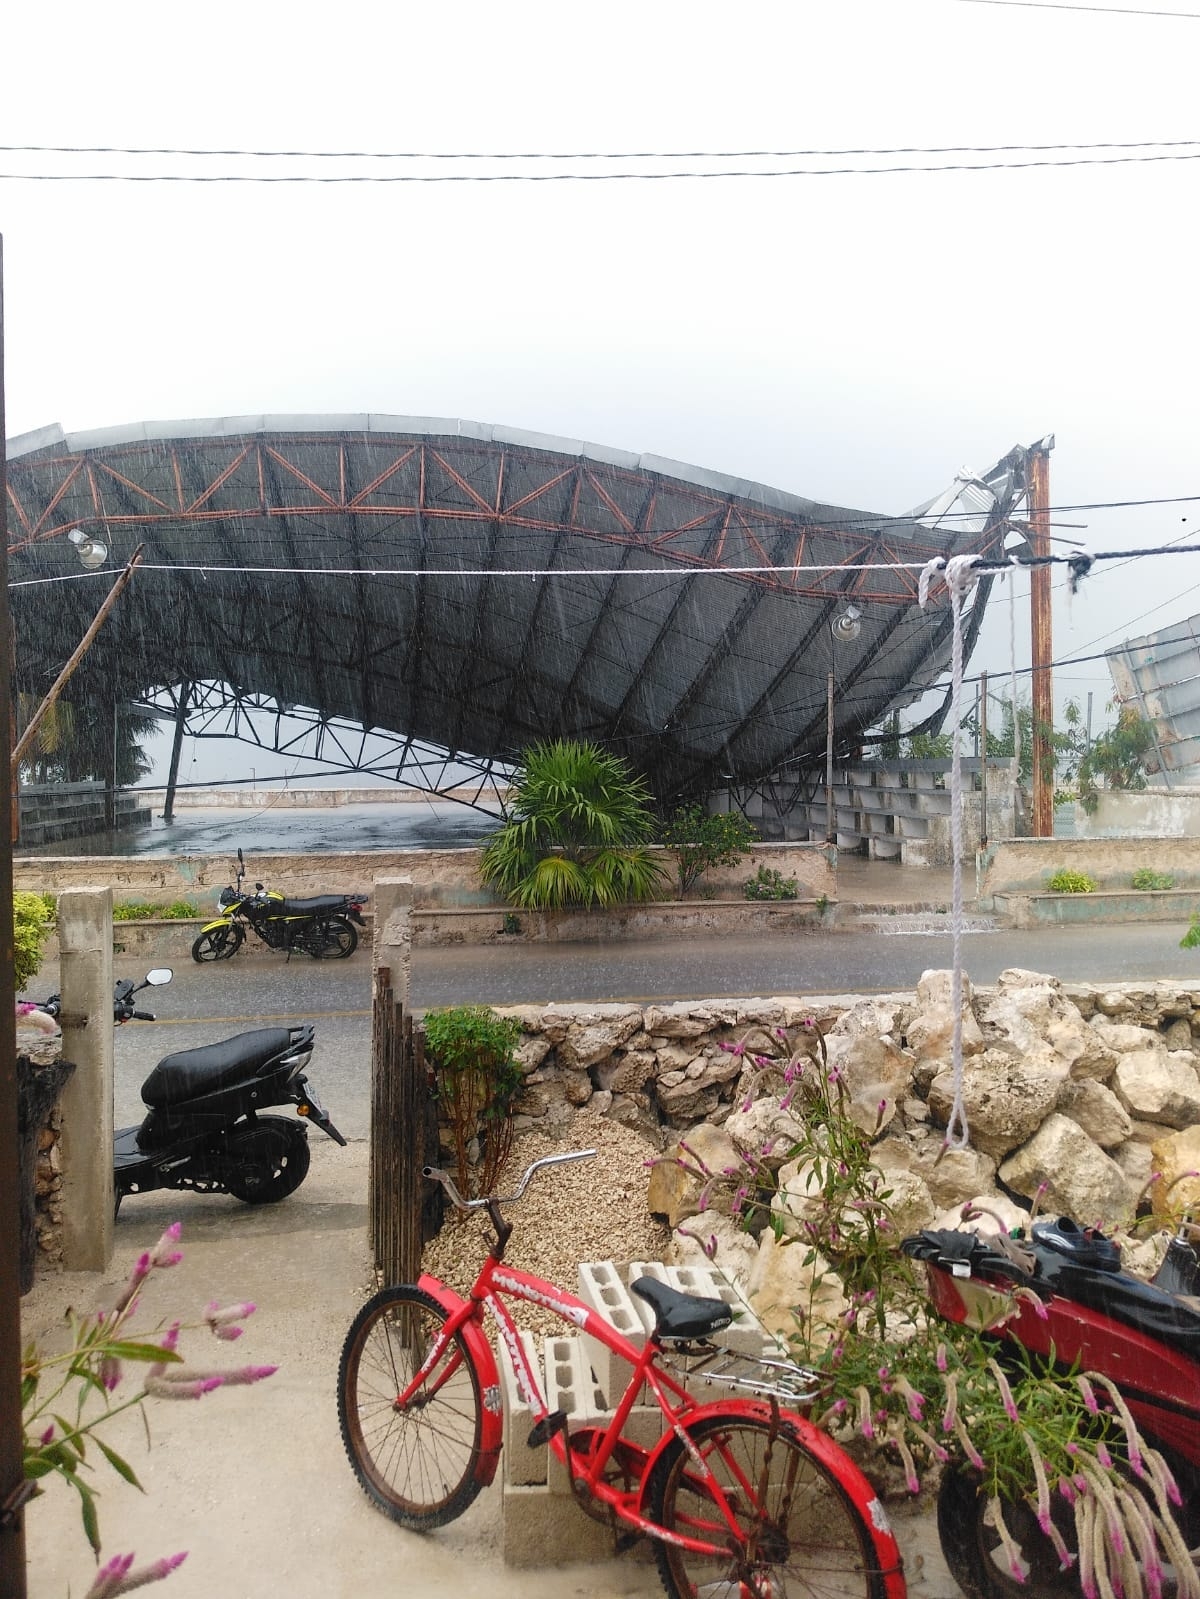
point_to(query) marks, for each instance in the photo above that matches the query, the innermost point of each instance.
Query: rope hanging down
(960, 574)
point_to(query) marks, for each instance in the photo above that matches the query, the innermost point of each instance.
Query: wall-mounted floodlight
(92, 552)
(847, 624)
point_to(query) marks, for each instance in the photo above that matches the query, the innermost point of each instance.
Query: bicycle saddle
(678, 1315)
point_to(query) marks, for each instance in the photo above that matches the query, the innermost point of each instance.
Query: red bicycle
(744, 1498)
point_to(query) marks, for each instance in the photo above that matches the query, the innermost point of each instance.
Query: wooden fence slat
(402, 1214)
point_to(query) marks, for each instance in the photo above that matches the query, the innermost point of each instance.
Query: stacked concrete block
(523, 1466)
(601, 1285)
(571, 1388)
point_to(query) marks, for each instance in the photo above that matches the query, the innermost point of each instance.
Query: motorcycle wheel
(971, 1545)
(221, 944)
(266, 1162)
(333, 940)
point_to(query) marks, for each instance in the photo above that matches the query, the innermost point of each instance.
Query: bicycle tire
(221, 944)
(420, 1465)
(816, 1544)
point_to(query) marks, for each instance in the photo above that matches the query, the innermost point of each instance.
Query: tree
(577, 833)
(702, 839)
(74, 743)
(1116, 757)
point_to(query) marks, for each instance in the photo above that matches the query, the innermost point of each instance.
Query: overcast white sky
(855, 339)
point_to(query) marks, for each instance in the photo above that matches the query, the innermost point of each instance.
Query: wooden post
(1042, 641)
(13, 1487)
(185, 689)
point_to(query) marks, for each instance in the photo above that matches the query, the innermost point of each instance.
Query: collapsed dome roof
(477, 588)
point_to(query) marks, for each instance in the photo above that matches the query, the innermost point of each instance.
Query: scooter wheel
(972, 1550)
(265, 1163)
(221, 944)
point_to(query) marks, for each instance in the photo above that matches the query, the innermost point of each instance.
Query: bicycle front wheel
(418, 1462)
(798, 1530)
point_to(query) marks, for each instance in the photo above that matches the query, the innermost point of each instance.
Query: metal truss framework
(643, 637)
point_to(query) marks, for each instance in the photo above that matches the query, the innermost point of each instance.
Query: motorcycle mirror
(241, 861)
(160, 975)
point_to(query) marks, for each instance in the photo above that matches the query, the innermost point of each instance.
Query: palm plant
(577, 833)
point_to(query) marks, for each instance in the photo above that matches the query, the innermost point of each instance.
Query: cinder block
(601, 1287)
(746, 1336)
(521, 1464)
(541, 1528)
(571, 1388)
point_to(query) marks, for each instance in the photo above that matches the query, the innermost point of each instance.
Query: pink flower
(110, 1372)
(164, 1252)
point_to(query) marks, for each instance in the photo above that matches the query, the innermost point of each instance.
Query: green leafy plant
(577, 834)
(180, 910)
(33, 923)
(770, 883)
(511, 923)
(1148, 880)
(1116, 758)
(477, 1076)
(133, 910)
(69, 1396)
(703, 839)
(1191, 938)
(1068, 882)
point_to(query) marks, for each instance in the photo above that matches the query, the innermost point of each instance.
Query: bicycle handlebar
(437, 1175)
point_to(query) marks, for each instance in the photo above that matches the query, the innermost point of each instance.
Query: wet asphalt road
(206, 1003)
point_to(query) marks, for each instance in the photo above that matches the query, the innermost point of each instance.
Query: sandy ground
(253, 1482)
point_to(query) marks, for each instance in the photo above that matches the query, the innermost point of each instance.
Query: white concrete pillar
(393, 898)
(86, 985)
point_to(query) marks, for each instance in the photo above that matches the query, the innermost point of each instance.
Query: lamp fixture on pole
(92, 552)
(847, 624)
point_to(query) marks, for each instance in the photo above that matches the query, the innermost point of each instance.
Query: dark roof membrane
(396, 581)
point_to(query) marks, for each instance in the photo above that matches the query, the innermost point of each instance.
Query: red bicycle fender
(491, 1432)
(823, 1448)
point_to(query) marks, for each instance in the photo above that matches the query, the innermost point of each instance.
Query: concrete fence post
(86, 984)
(393, 933)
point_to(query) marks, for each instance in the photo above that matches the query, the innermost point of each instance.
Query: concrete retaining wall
(1153, 813)
(442, 878)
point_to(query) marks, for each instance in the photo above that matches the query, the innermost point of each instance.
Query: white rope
(959, 575)
(1012, 678)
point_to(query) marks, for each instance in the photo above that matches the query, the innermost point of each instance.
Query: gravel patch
(584, 1211)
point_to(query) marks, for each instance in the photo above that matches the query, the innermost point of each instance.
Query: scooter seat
(189, 1073)
(310, 907)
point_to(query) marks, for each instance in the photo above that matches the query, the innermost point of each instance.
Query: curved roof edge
(366, 422)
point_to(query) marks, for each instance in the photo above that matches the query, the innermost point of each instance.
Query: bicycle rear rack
(717, 1367)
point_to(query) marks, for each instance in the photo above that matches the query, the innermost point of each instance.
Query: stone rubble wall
(1074, 1093)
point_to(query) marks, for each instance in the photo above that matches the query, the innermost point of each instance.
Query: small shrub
(477, 1076)
(511, 923)
(703, 839)
(132, 910)
(33, 922)
(1192, 937)
(180, 910)
(1067, 882)
(769, 883)
(1150, 881)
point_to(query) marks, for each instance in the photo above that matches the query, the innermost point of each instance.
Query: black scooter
(203, 1129)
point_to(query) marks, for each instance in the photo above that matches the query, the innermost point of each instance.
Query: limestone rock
(1179, 1034)
(1006, 1098)
(1158, 1087)
(996, 1212)
(1080, 1180)
(715, 1238)
(930, 1033)
(1097, 1110)
(1173, 1156)
(593, 1036)
(1030, 1015)
(950, 1176)
(578, 1087)
(632, 1070)
(1124, 1037)
(764, 1131)
(678, 1021)
(876, 1072)
(784, 1291)
(531, 1052)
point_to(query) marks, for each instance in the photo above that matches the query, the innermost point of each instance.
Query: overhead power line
(677, 175)
(582, 155)
(1103, 11)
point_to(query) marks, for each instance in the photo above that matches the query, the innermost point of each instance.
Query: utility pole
(1041, 639)
(14, 1490)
